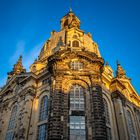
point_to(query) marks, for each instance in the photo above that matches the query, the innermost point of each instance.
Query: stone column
(97, 114)
(28, 115)
(120, 115)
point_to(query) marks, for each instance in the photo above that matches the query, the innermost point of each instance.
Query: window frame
(39, 132)
(42, 109)
(78, 126)
(77, 112)
(43, 121)
(76, 65)
(131, 127)
(12, 123)
(76, 96)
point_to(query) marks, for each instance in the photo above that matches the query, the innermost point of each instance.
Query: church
(70, 93)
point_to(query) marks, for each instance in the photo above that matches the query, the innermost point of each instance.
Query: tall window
(107, 117)
(77, 117)
(76, 65)
(43, 115)
(131, 127)
(77, 98)
(42, 132)
(11, 126)
(43, 108)
(75, 43)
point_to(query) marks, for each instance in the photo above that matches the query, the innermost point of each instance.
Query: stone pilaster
(65, 115)
(88, 115)
(97, 114)
(25, 117)
(55, 129)
(120, 115)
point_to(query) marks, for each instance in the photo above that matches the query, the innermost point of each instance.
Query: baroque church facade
(69, 93)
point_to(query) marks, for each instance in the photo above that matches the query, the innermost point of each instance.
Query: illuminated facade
(69, 93)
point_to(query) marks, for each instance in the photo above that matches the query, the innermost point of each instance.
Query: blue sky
(115, 25)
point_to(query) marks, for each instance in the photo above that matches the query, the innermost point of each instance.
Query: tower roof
(120, 73)
(70, 20)
(18, 68)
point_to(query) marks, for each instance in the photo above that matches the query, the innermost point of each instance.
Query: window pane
(76, 98)
(76, 65)
(77, 128)
(10, 136)
(42, 131)
(11, 125)
(43, 108)
(12, 118)
(130, 126)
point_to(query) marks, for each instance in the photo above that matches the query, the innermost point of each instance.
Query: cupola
(70, 20)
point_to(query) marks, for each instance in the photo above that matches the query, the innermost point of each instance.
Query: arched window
(131, 126)
(43, 115)
(75, 43)
(76, 98)
(11, 126)
(77, 118)
(107, 117)
(43, 108)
